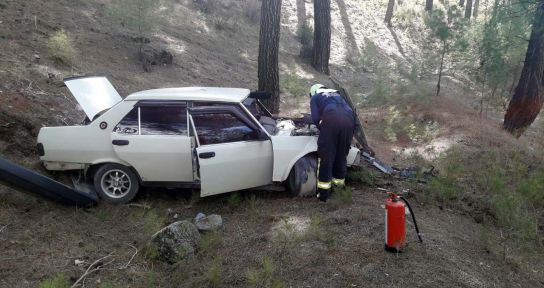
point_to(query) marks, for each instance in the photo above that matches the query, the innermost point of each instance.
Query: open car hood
(93, 93)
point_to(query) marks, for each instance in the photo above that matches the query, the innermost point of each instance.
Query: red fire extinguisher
(395, 222)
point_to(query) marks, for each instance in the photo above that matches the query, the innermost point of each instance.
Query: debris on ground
(208, 223)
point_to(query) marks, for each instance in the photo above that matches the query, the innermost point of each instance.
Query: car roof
(234, 95)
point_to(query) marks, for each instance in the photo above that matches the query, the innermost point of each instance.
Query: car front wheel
(116, 183)
(302, 180)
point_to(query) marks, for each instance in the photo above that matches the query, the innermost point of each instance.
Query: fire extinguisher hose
(413, 217)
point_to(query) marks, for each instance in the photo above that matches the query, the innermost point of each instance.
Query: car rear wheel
(302, 180)
(116, 183)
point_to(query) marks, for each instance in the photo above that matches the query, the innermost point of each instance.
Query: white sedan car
(213, 139)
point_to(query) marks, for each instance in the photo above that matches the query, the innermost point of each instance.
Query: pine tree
(528, 97)
(322, 35)
(269, 40)
(389, 12)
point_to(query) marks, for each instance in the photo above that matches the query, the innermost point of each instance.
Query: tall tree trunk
(269, 40)
(444, 49)
(461, 3)
(468, 9)
(322, 35)
(389, 12)
(428, 5)
(528, 96)
(476, 8)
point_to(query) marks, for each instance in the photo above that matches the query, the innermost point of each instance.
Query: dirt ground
(338, 246)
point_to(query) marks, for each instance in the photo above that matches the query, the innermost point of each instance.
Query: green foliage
(317, 231)
(368, 58)
(363, 176)
(305, 34)
(137, 15)
(263, 276)
(500, 45)
(342, 196)
(210, 242)
(234, 200)
(448, 28)
(214, 274)
(447, 185)
(417, 131)
(60, 48)
(295, 85)
(153, 222)
(58, 281)
(381, 91)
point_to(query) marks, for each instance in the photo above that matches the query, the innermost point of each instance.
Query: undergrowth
(505, 184)
(57, 281)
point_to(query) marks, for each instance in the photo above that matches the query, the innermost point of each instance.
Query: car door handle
(206, 155)
(120, 142)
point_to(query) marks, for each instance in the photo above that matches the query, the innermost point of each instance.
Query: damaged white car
(214, 139)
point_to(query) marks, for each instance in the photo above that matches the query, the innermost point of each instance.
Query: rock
(150, 56)
(176, 241)
(208, 223)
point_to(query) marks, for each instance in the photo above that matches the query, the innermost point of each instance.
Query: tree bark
(389, 12)
(444, 50)
(429, 5)
(528, 96)
(269, 40)
(468, 9)
(461, 3)
(476, 8)
(322, 35)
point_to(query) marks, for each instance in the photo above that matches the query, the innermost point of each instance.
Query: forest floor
(339, 244)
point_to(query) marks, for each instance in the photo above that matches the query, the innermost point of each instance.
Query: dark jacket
(325, 101)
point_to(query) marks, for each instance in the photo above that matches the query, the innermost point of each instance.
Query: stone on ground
(176, 242)
(211, 222)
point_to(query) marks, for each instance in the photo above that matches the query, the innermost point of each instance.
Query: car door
(153, 138)
(233, 152)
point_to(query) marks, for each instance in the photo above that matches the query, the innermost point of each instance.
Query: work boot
(323, 194)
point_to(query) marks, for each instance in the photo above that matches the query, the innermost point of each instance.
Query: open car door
(233, 152)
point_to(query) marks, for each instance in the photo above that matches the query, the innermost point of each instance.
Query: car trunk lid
(94, 93)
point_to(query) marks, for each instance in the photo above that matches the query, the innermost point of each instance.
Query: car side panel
(158, 158)
(83, 144)
(235, 166)
(287, 150)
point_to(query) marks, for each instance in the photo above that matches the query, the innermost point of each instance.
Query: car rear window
(159, 120)
(169, 120)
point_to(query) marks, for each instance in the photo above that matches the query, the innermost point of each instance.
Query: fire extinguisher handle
(413, 217)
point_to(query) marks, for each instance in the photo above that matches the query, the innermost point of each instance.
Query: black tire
(302, 180)
(123, 183)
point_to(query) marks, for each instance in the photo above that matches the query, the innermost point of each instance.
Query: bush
(59, 281)
(342, 196)
(294, 84)
(363, 176)
(206, 6)
(213, 275)
(264, 275)
(60, 48)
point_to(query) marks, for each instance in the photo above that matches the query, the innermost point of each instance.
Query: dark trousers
(335, 134)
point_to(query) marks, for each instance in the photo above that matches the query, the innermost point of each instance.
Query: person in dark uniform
(336, 122)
